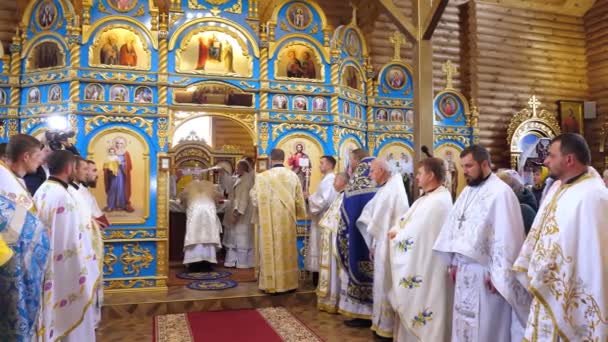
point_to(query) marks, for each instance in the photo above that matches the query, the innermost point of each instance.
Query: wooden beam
(432, 18)
(404, 24)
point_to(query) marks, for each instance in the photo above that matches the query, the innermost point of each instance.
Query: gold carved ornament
(316, 129)
(129, 284)
(121, 234)
(525, 121)
(109, 259)
(91, 123)
(135, 258)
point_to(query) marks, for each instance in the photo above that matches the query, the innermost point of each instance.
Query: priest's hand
(392, 234)
(489, 285)
(371, 254)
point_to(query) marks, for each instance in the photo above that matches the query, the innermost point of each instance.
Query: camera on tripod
(57, 138)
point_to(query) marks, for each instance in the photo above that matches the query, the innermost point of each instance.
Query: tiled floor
(128, 317)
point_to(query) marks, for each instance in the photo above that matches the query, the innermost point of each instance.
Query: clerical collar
(74, 185)
(277, 165)
(64, 184)
(574, 179)
(482, 181)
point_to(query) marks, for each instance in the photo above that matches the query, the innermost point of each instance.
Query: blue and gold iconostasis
(125, 77)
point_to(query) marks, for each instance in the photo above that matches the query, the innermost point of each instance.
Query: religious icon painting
(352, 78)
(279, 102)
(122, 5)
(571, 116)
(299, 16)
(300, 103)
(395, 78)
(298, 61)
(94, 92)
(214, 52)
(55, 92)
(346, 108)
(409, 118)
(143, 95)
(455, 180)
(33, 96)
(352, 42)
(47, 14)
(358, 112)
(302, 155)
(381, 115)
(319, 104)
(124, 159)
(2, 97)
(348, 146)
(448, 105)
(120, 48)
(46, 54)
(119, 93)
(396, 115)
(399, 157)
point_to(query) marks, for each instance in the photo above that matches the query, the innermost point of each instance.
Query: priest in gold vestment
(279, 201)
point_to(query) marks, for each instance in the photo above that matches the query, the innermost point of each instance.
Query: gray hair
(512, 178)
(344, 176)
(384, 164)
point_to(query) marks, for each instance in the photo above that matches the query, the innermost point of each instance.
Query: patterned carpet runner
(260, 325)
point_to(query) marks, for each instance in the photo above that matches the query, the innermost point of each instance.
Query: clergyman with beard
(481, 240)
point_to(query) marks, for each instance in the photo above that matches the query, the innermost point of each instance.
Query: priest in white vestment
(481, 239)
(25, 155)
(328, 290)
(73, 275)
(378, 216)
(318, 203)
(422, 292)
(203, 226)
(238, 233)
(565, 256)
(91, 211)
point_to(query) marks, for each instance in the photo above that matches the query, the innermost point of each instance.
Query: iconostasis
(128, 79)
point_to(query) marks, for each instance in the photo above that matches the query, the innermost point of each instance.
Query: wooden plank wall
(596, 28)
(228, 132)
(516, 53)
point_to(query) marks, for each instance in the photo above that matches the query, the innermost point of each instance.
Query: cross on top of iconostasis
(397, 39)
(534, 103)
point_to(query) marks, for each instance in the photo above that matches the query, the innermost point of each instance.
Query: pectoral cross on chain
(461, 220)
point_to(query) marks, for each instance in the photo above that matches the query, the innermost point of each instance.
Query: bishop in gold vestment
(278, 196)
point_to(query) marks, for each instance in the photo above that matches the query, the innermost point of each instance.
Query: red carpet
(261, 325)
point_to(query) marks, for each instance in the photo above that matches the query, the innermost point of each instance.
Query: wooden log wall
(515, 53)
(228, 132)
(596, 29)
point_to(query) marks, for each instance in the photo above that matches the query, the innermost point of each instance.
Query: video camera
(56, 138)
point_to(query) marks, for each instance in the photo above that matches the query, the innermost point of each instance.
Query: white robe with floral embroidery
(482, 237)
(73, 274)
(565, 261)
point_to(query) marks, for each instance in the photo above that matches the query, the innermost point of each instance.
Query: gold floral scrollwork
(193, 4)
(12, 127)
(121, 234)
(319, 130)
(91, 123)
(140, 11)
(247, 85)
(135, 258)
(29, 123)
(109, 260)
(463, 140)
(284, 26)
(117, 76)
(42, 78)
(264, 136)
(163, 132)
(129, 284)
(2, 128)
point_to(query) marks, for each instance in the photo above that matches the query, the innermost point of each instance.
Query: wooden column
(423, 98)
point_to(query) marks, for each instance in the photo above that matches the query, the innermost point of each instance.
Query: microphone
(425, 150)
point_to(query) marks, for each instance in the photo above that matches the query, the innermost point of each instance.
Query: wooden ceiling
(12, 10)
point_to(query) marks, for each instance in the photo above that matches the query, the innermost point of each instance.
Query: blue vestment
(21, 278)
(351, 246)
